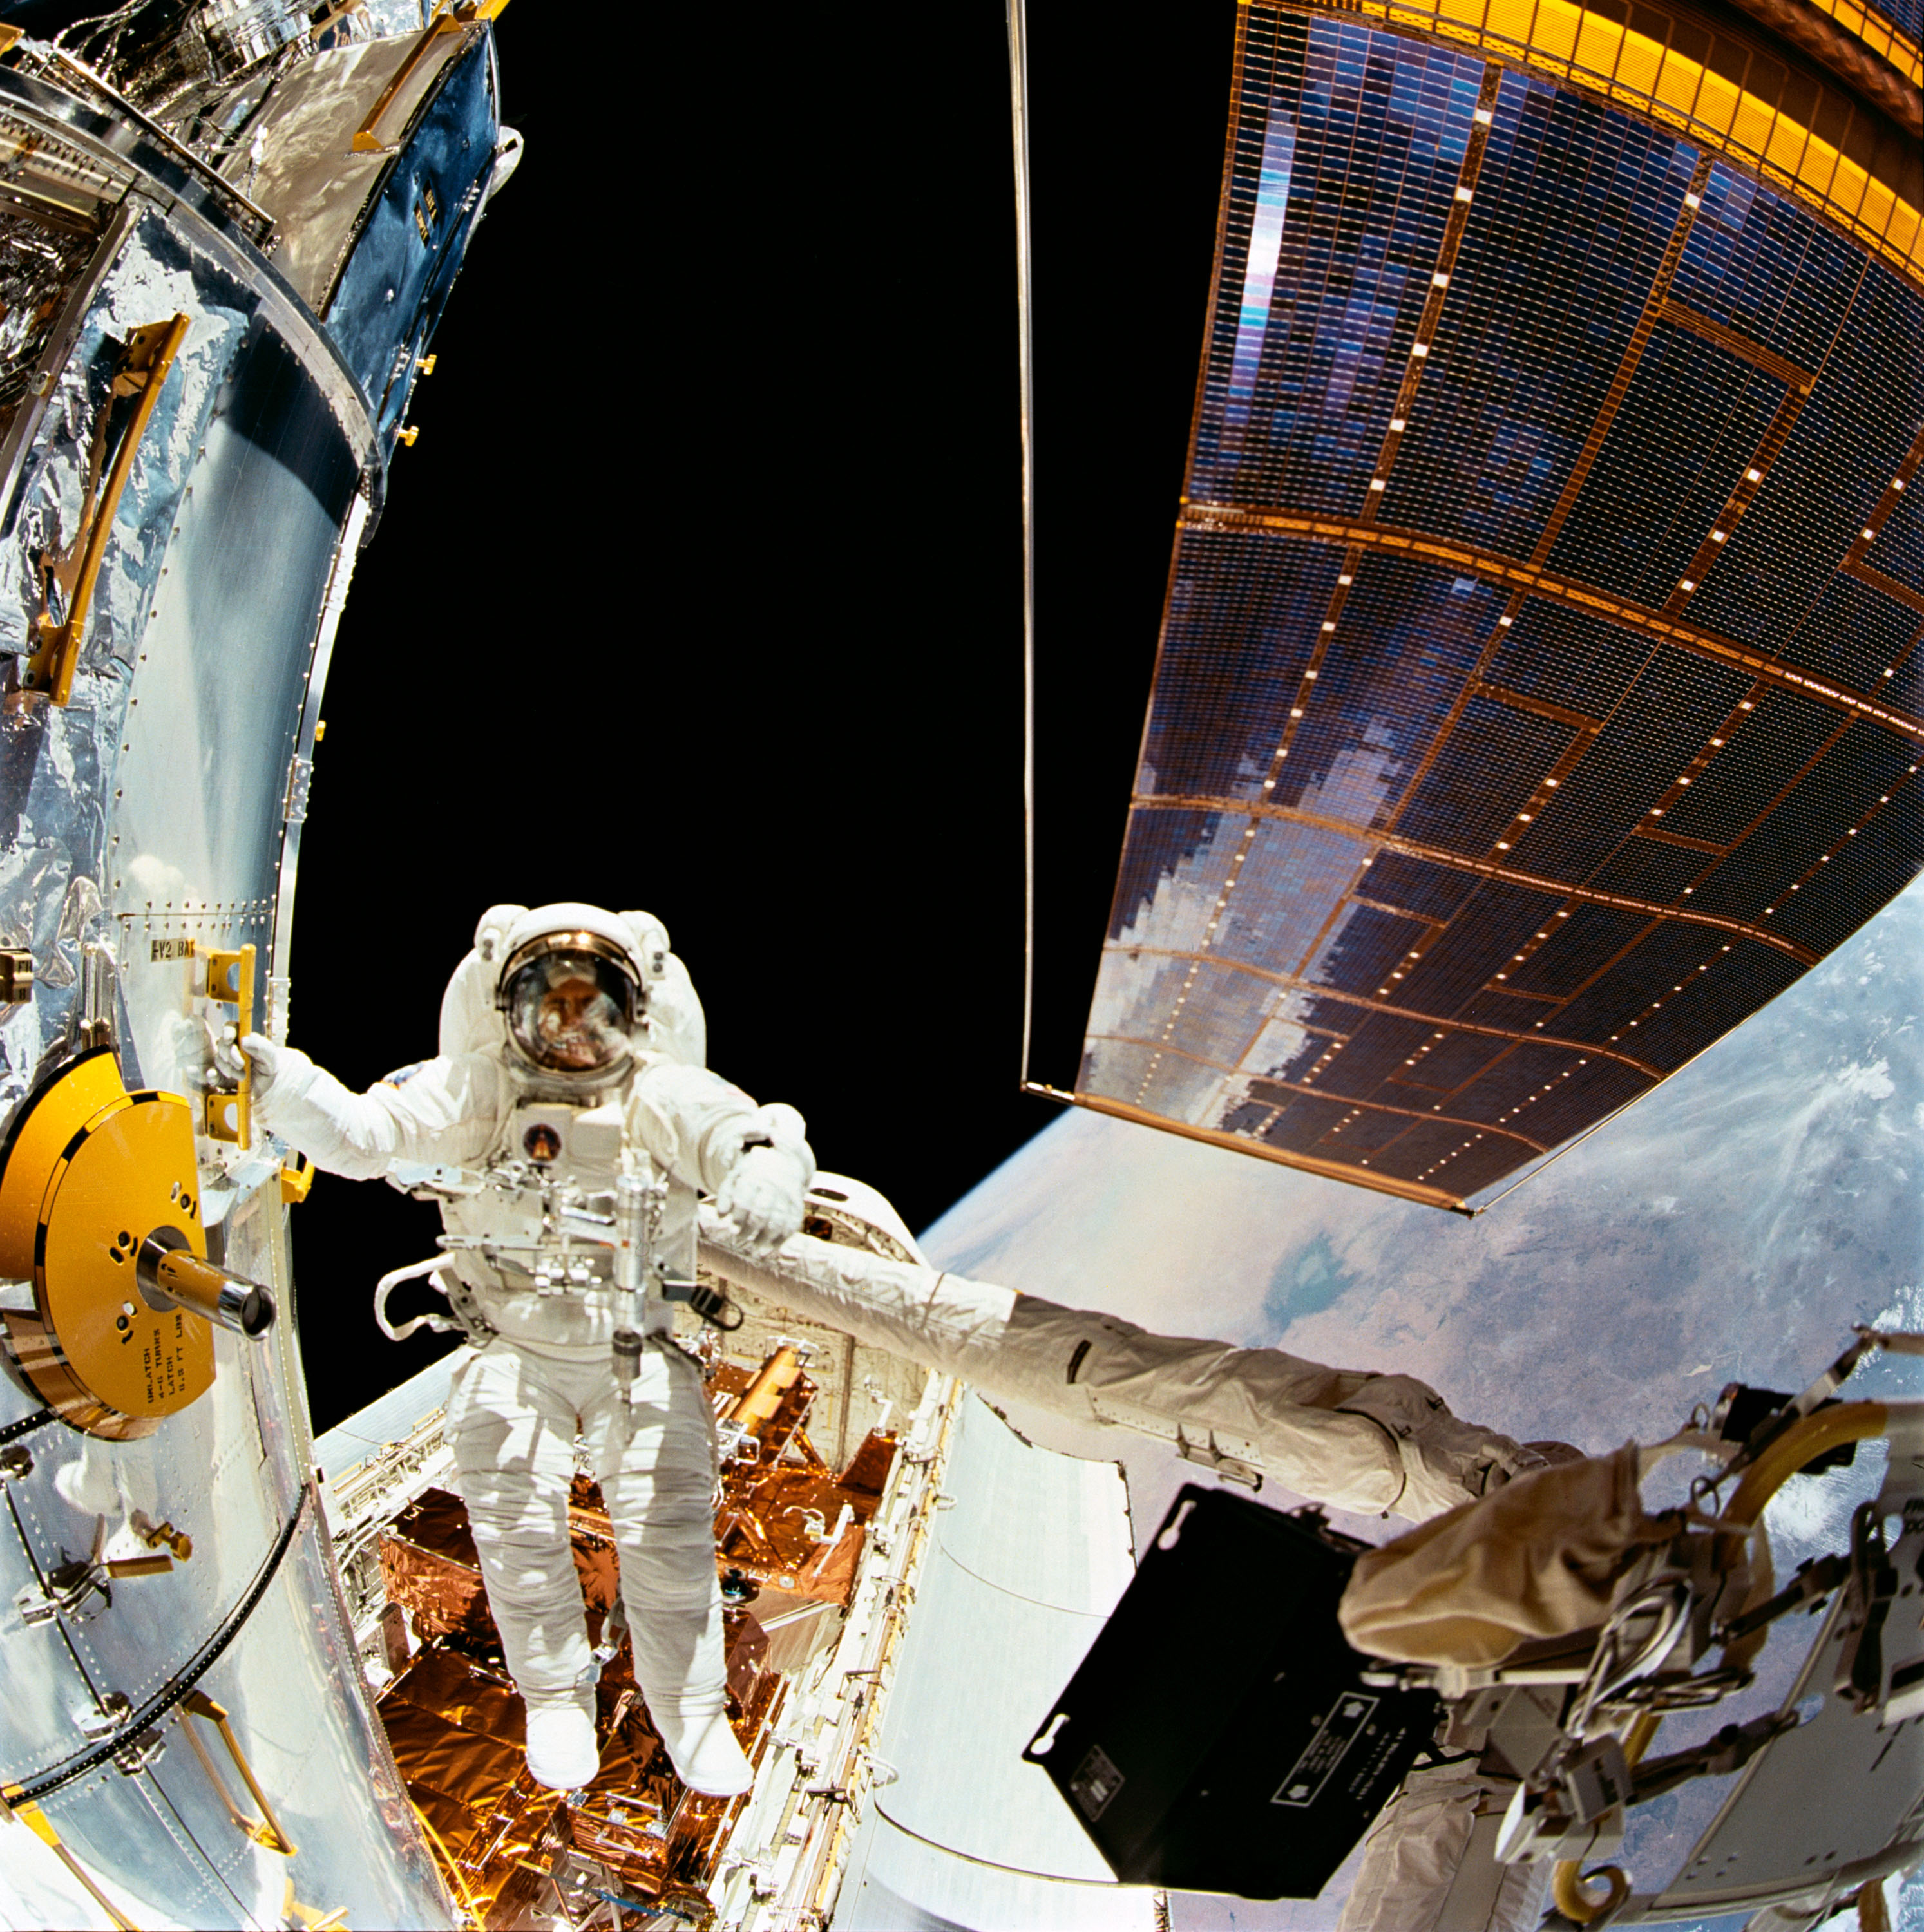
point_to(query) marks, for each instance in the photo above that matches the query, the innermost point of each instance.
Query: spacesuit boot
(701, 1746)
(563, 1753)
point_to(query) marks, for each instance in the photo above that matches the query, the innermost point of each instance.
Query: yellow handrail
(1801, 1443)
(37, 1821)
(267, 1835)
(144, 363)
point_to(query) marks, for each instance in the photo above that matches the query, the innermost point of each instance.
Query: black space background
(700, 591)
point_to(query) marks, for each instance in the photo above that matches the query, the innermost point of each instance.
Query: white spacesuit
(567, 1121)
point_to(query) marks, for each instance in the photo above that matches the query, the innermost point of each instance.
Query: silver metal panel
(195, 215)
(231, 1472)
(968, 1834)
(156, 807)
(391, 1418)
(300, 165)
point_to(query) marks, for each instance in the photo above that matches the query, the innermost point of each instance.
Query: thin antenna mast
(1018, 118)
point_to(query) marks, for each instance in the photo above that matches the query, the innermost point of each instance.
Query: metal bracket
(1231, 1468)
(300, 784)
(141, 372)
(228, 1115)
(709, 1303)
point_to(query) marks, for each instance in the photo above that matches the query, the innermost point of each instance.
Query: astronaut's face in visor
(569, 1011)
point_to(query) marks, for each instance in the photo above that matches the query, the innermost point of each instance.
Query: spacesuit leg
(1351, 1438)
(513, 1430)
(511, 1418)
(657, 1468)
(1427, 1868)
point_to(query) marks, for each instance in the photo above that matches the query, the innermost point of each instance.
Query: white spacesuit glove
(253, 1050)
(764, 1191)
(762, 1195)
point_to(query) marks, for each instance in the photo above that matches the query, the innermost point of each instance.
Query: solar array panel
(1539, 687)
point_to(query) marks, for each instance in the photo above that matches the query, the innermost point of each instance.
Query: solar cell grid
(1567, 658)
(1650, 871)
(1221, 1017)
(1836, 792)
(1303, 1120)
(1689, 426)
(1452, 1058)
(1241, 628)
(1408, 638)
(1770, 744)
(1620, 1002)
(1575, 206)
(1497, 1008)
(1668, 1034)
(1363, 1130)
(1900, 543)
(1383, 1049)
(1852, 633)
(1767, 268)
(1487, 771)
(1330, 302)
(1291, 877)
(1567, 1095)
(1478, 945)
(1158, 902)
(1500, 1094)
(1867, 402)
(1461, 1160)
(1393, 878)
(1285, 1051)
(1628, 389)
(1583, 940)
(1176, 1087)
(1674, 708)
(1364, 948)
(1878, 863)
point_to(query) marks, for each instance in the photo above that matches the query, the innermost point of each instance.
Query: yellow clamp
(230, 1117)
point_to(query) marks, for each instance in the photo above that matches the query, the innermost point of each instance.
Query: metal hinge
(300, 782)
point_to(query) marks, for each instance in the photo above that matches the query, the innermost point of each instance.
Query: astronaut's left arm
(708, 1134)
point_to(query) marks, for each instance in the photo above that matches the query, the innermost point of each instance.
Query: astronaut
(565, 1126)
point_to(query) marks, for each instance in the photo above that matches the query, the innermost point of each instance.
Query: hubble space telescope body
(1457, 828)
(226, 234)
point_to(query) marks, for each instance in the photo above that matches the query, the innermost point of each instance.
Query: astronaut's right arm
(444, 1115)
(707, 1133)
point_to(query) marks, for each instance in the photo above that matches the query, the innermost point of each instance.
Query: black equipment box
(1219, 1736)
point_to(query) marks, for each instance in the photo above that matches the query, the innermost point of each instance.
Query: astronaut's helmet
(570, 1001)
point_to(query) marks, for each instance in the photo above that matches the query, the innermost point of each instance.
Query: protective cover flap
(1218, 1737)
